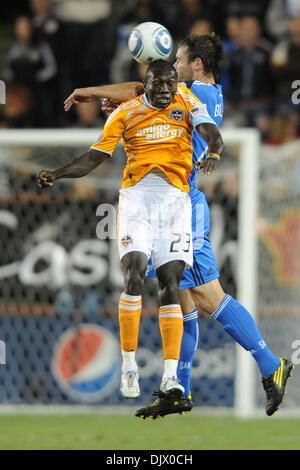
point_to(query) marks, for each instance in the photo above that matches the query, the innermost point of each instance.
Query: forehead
(158, 75)
(182, 52)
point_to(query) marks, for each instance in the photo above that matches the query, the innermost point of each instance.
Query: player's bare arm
(119, 92)
(76, 168)
(213, 138)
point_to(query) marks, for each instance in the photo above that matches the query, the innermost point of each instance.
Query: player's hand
(80, 95)
(208, 166)
(45, 178)
(109, 105)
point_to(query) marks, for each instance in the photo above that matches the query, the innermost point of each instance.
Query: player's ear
(197, 64)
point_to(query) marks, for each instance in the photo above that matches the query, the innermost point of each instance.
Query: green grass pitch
(120, 432)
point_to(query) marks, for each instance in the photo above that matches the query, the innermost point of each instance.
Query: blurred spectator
(27, 62)
(48, 29)
(277, 16)
(232, 33)
(285, 62)
(200, 27)
(86, 40)
(230, 44)
(292, 7)
(240, 8)
(193, 19)
(251, 86)
(31, 63)
(217, 11)
(277, 19)
(214, 12)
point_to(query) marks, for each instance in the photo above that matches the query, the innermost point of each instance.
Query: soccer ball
(150, 41)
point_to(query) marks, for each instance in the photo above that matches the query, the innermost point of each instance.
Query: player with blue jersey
(198, 63)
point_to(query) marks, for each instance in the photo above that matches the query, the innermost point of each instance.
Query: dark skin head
(161, 88)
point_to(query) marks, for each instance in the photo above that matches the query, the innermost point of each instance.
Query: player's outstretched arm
(76, 168)
(118, 91)
(213, 138)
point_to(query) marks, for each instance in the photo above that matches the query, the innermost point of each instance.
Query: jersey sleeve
(197, 111)
(199, 115)
(112, 133)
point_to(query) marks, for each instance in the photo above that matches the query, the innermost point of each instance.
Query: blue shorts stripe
(192, 272)
(196, 268)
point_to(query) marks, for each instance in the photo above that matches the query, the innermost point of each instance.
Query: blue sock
(239, 324)
(188, 348)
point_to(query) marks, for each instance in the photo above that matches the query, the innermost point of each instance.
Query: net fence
(60, 284)
(278, 228)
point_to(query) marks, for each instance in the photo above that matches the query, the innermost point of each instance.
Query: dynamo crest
(177, 114)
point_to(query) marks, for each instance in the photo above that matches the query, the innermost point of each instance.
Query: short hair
(160, 66)
(207, 47)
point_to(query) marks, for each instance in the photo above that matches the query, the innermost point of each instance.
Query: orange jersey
(155, 137)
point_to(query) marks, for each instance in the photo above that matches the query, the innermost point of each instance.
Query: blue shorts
(205, 267)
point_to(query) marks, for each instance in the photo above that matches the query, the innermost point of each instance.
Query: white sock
(170, 369)
(129, 362)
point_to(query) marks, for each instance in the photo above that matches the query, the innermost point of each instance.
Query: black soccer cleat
(274, 386)
(165, 404)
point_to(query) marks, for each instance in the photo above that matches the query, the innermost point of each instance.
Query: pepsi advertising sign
(86, 363)
(55, 360)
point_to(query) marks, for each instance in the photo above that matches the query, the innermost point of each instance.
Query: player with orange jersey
(156, 128)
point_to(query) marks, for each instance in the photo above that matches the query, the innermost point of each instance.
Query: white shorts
(157, 222)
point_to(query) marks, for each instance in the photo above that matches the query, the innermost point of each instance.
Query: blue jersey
(212, 97)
